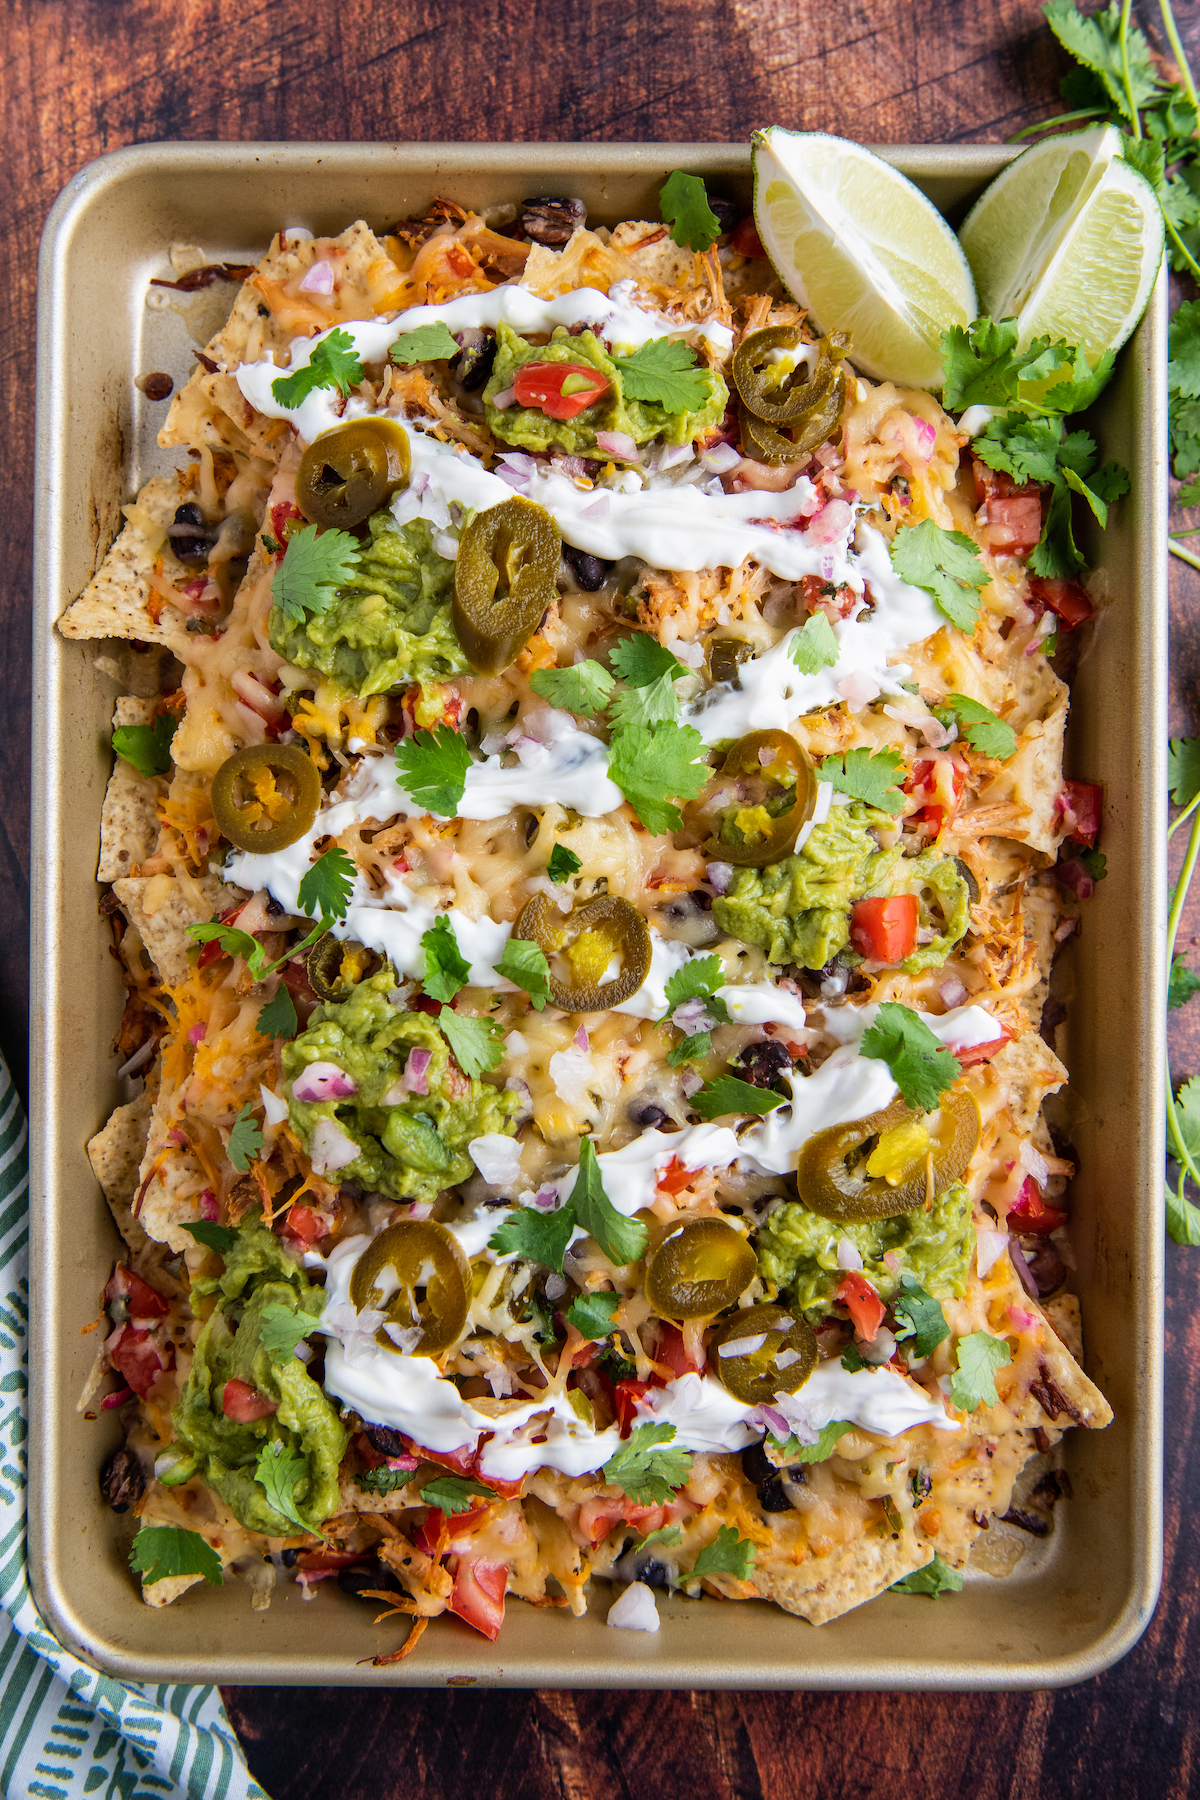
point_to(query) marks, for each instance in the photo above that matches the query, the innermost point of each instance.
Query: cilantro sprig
(981, 727)
(428, 343)
(868, 775)
(977, 1360)
(946, 564)
(478, 1044)
(920, 1318)
(649, 1468)
(814, 647)
(334, 363)
(665, 372)
(433, 768)
(921, 1066)
(937, 1577)
(656, 765)
(245, 1140)
(315, 564)
(147, 748)
(729, 1095)
(728, 1554)
(280, 1472)
(683, 202)
(162, 1551)
(540, 1237)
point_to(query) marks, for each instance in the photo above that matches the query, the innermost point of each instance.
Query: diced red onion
(274, 1105)
(926, 437)
(692, 1082)
(764, 478)
(416, 1070)
(773, 1419)
(635, 1609)
(1073, 875)
(618, 443)
(989, 1248)
(420, 1209)
(1026, 1274)
(117, 1399)
(504, 399)
(406, 1464)
(514, 1085)
(848, 1256)
(516, 469)
(719, 876)
(720, 458)
(826, 455)
(319, 279)
(571, 466)
(256, 696)
(599, 510)
(546, 1199)
(331, 1149)
(1064, 930)
(952, 991)
(581, 1039)
(209, 1208)
(196, 1033)
(831, 523)
(1033, 1160)
(141, 1057)
(323, 1081)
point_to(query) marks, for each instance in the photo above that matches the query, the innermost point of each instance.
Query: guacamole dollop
(798, 909)
(641, 420)
(389, 625)
(798, 1252)
(411, 1145)
(259, 1274)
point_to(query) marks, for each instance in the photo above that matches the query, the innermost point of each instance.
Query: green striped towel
(65, 1730)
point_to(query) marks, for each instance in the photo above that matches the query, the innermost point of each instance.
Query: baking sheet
(1076, 1602)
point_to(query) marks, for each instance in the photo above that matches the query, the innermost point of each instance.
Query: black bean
(370, 1575)
(288, 1558)
(548, 220)
(591, 572)
(773, 1497)
(651, 1115)
(755, 1465)
(1034, 1523)
(968, 877)
(189, 514)
(762, 1064)
(473, 365)
(385, 1440)
(1046, 1267)
(655, 1574)
(121, 1480)
(728, 212)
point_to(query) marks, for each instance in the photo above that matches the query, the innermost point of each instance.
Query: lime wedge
(1085, 270)
(862, 249)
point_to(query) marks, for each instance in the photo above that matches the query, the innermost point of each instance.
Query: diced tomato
(1014, 523)
(1080, 806)
(863, 1304)
(978, 1053)
(1064, 598)
(885, 931)
(994, 484)
(244, 1404)
(1031, 1213)
(281, 512)
(540, 385)
(933, 777)
(142, 1301)
(626, 1395)
(478, 1595)
(307, 1226)
(428, 1536)
(675, 1177)
(745, 239)
(673, 1352)
(598, 1517)
(136, 1356)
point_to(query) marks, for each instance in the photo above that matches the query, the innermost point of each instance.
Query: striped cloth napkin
(65, 1730)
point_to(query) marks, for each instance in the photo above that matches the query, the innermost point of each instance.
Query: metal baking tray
(1075, 1604)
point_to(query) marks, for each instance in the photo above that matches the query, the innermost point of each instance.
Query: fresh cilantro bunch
(1042, 450)
(868, 775)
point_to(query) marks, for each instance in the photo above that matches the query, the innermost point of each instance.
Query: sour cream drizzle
(408, 1394)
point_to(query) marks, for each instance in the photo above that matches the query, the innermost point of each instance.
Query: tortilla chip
(116, 601)
(129, 815)
(1028, 1070)
(161, 909)
(1064, 1315)
(829, 1586)
(1033, 779)
(654, 256)
(115, 1153)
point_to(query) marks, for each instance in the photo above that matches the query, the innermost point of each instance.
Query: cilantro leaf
(946, 564)
(1181, 985)
(1183, 770)
(641, 660)
(920, 1316)
(525, 965)
(728, 1554)
(245, 1141)
(622, 1240)
(827, 1441)
(334, 363)
(921, 1066)
(325, 890)
(433, 768)
(665, 372)
(591, 1314)
(282, 1329)
(233, 942)
(454, 1494)
(280, 1472)
(698, 979)
(278, 1017)
(147, 748)
(478, 1044)
(316, 564)
(1183, 1219)
(1183, 345)
(983, 730)
(220, 1238)
(852, 1360)
(1187, 1111)
(1095, 41)
(868, 775)
(729, 1095)
(428, 343)
(161, 1551)
(691, 1049)
(1056, 552)
(665, 1535)
(980, 364)
(650, 763)
(1026, 449)
(382, 1480)
(935, 1578)
(815, 647)
(446, 969)
(1094, 861)
(646, 1473)
(563, 862)
(584, 688)
(539, 1237)
(683, 202)
(974, 1381)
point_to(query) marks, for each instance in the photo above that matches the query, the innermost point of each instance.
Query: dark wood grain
(84, 76)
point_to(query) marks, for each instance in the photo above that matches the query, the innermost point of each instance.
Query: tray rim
(88, 189)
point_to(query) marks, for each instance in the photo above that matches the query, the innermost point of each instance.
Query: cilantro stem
(1085, 112)
(1180, 1151)
(1188, 810)
(1181, 248)
(1177, 50)
(1183, 553)
(1190, 532)
(1123, 40)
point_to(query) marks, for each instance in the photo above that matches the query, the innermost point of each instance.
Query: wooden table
(85, 76)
